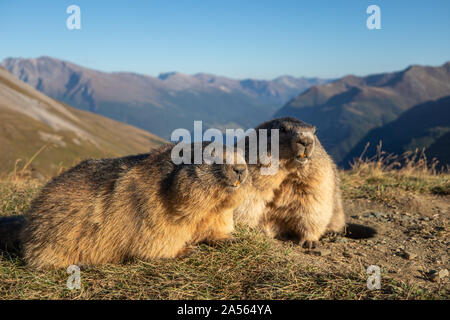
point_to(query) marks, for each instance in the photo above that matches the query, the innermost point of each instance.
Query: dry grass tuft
(384, 175)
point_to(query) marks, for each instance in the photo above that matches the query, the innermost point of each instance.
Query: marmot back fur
(144, 206)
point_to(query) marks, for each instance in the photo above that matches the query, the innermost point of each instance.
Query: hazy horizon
(220, 75)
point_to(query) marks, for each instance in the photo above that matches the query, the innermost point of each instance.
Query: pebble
(373, 214)
(409, 255)
(347, 254)
(436, 276)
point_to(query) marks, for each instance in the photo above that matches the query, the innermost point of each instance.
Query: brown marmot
(143, 206)
(308, 202)
(263, 187)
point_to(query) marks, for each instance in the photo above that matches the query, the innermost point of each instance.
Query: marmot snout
(234, 175)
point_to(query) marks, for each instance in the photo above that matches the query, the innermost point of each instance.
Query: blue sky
(241, 39)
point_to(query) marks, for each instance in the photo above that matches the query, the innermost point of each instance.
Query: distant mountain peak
(167, 75)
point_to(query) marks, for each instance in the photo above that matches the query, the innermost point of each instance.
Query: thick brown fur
(144, 206)
(308, 202)
(263, 187)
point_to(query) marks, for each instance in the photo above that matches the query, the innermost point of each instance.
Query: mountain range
(405, 109)
(31, 124)
(346, 110)
(164, 103)
(426, 125)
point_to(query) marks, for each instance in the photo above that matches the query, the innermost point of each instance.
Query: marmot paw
(333, 234)
(186, 252)
(309, 244)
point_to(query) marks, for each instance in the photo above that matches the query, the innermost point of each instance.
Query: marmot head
(233, 172)
(229, 172)
(231, 176)
(296, 140)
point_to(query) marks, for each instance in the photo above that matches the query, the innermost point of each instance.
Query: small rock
(409, 255)
(377, 214)
(371, 214)
(341, 240)
(436, 276)
(347, 254)
(325, 252)
(440, 274)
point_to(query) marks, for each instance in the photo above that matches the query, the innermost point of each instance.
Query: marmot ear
(314, 129)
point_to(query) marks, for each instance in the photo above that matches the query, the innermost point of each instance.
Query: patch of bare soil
(411, 244)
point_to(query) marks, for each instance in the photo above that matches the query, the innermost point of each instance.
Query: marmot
(308, 202)
(252, 209)
(144, 206)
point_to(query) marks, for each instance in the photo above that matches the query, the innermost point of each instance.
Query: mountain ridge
(30, 120)
(346, 109)
(163, 103)
(421, 126)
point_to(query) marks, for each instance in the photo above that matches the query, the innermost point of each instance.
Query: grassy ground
(409, 208)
